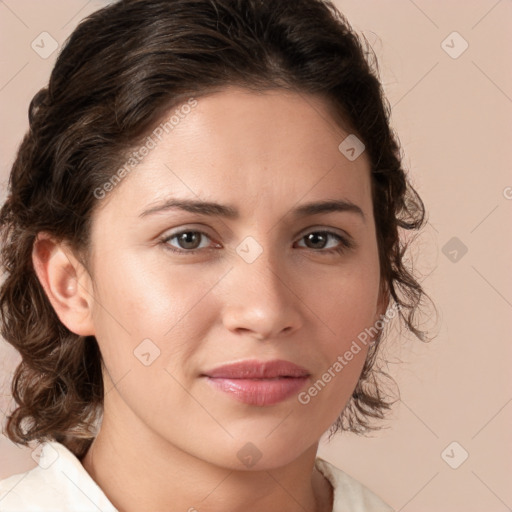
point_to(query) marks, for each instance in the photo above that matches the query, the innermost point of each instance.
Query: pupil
(313, 236)
(188, 238)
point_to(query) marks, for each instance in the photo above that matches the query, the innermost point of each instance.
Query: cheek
(346, 306)
(141, 300)
(347, 310)
(346, 302)
(149, 319)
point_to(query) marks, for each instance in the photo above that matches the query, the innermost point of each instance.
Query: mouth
(258, 383)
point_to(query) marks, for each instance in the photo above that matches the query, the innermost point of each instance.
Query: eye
(189, 241)
(318, 239)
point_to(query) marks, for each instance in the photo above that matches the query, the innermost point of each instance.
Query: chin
(260, 453)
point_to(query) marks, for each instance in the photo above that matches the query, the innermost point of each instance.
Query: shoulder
(350, 495)
(59, 482)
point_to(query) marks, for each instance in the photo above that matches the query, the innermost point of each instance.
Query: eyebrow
(229, 212)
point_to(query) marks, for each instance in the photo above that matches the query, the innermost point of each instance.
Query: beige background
(454, 119)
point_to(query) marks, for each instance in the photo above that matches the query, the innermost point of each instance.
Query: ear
(66, 282)
(383, 302)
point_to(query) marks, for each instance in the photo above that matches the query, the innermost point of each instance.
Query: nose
(260, 298)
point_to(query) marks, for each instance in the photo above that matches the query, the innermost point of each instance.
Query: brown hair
(121, 69)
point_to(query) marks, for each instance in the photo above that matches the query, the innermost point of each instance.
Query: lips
(258, 383)
(258, 370)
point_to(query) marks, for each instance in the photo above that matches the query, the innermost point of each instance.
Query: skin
(166, 434)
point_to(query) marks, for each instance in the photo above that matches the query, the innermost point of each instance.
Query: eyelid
(327, 229)
(185, 228)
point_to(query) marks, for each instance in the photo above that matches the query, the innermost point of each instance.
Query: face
(179, 293)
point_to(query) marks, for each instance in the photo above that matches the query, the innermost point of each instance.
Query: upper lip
(258, 370)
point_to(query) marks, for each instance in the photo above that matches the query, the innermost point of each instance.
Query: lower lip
(259, 391)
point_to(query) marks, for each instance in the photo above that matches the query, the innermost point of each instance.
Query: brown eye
(187, 241)
(318, 240)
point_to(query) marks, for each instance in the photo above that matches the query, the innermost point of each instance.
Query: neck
(160, 476)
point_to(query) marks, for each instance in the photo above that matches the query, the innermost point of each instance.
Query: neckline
(66, 459)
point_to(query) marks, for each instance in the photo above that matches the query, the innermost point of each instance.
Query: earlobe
(383, 302)
(65, 282)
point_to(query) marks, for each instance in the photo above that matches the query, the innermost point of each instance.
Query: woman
(201, 249)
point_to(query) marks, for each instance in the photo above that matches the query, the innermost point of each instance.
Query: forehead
(248, 148)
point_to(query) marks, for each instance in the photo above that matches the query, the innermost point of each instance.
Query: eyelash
(345, 243)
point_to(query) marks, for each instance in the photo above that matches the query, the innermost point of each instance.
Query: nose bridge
(260, 298)
(261, 267)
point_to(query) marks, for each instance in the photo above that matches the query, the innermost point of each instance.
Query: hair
(117, 74)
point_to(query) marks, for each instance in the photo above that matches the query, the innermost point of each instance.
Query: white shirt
(60, 483)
